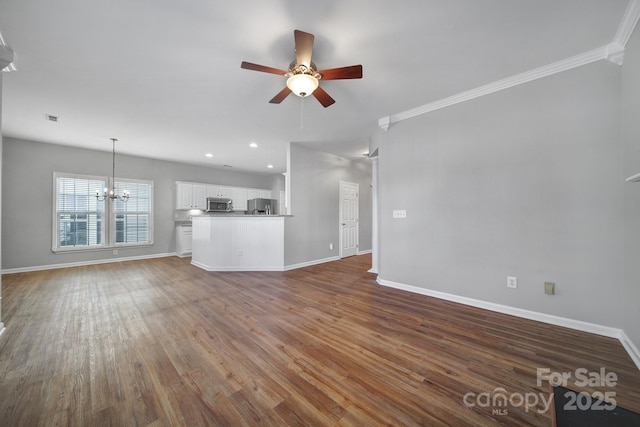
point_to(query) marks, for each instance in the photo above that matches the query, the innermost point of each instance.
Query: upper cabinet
(253, 194)
(256, 193)
(191, 195)
(217, 191)
(199, 196)
(184, 195)
(239, 199)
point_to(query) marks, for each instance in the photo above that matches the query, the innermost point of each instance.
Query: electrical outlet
(330, 246)
(512, 282)
(400, 213)
(549, 288)
(115, 252)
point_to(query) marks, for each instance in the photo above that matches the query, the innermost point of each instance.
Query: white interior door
(348, 219)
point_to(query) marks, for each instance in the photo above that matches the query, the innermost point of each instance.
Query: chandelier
(111, 194)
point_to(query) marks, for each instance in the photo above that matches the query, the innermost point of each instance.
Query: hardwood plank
(160, 342)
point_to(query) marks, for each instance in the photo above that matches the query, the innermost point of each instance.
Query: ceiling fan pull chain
(301, 112)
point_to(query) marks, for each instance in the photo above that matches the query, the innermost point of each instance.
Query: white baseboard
(199, 265)
(310, 263)
(285, 268)
(526, 314)
(367, 251)
(235, 268)
(82, 263)
(631, 348)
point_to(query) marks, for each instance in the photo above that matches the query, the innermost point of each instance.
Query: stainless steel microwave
(219, 204)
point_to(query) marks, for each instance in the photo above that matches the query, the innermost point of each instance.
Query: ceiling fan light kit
(302, 85)
(302, 78)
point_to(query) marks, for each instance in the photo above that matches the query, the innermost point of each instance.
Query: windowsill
(100, 248)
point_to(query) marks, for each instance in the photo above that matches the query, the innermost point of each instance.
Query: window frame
(108, 216)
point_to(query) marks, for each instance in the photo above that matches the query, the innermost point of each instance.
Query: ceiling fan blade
(351, 72)
(304, 47)
(280, 96)
(264, 69)
(323, 97)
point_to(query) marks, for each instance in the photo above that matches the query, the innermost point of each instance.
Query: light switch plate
(399, 213)
(512, 282)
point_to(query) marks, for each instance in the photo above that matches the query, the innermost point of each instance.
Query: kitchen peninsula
(238, 242)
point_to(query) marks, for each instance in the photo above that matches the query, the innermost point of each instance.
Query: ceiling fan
(303, 77)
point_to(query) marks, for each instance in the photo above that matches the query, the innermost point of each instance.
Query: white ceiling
(164, 76)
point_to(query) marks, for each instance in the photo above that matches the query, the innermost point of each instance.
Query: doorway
(349, 199)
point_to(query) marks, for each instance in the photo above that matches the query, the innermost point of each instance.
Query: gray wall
(27, 197)
(315, 196)
(525, 182)
(631, 141)
(1, 156)
(277, 185)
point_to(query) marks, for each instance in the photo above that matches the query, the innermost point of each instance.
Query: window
(79, 216)
(133, 218)
(82, 222)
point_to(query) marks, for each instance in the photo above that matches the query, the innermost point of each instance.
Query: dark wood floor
(160, 342)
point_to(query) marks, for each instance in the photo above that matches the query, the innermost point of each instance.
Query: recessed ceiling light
(208, 155)
(270, 166)
(253, 145)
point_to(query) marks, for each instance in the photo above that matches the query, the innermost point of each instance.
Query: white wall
(27, 199)
(524, 182)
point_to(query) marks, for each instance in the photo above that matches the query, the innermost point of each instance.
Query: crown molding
(528, 76)
(384, 123)
(628, 23)
(613, 52)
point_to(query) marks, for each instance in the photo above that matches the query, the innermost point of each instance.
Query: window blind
(133, 218)
(79, 216)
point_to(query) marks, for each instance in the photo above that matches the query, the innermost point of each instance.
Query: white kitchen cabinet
(224, 192)
(239, 199)
(190, 196)
(184, 240)
(212, 190)
(256, 193)
(199, 200)
(184, 195)
(252, 193)
(218, 191)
